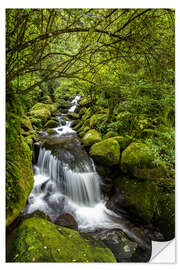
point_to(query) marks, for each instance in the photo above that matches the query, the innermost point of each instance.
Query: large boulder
(38, 240)
(106, 152)
(42, 114)
(138, 198)
(138, 161)
(19, 179)
(124, 249)
(165, 214)
(64, 104)
(91, 137)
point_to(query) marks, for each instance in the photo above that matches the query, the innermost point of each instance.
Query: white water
(60, 189)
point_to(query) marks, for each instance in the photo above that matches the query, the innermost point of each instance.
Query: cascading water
(66, 181)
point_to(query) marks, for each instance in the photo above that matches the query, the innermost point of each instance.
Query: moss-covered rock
(106, 152)
(72, 115)
(64, 104)
(164, 217)
(91, 137)
(38, 240)
(139, 198)
(40, 106)
(138, 161)
(26, 124)
(36, 122)
(123, 141)
(51, 131)
(53, 108)
(51, 124)
(84, 102)
(110, 134)
(19, 180)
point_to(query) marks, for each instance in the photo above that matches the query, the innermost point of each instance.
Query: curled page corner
(163, 252)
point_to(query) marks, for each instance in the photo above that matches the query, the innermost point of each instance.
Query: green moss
(140, 197)
(43, 114)
(123, 141)
(53, 107)
(64, 104)
(19, 180)
(38, 240)
(106, 152)
(91, 137)
(51, 124)
(36, 122)
(137, 160)
(46, 99)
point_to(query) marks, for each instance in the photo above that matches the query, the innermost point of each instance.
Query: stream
(66, 181)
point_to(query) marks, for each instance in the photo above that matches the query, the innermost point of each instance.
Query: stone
(138, 198)
(38, 240)
(42, 114)
(165, 215)
(72, 115)
(20, 183)
(91, 137)
(137, 161)
(67, 220)
(124, 249)
(106, 152)
(51, 124)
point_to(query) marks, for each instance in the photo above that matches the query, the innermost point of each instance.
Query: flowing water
(66, 181)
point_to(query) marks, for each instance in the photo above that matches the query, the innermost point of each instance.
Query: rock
(19, 183)
(165, 215)
(106, 185)
(91, 137)
(63, 104)
(124, 249)
(26, 124)
(74, 123)
(53, 108)
(38, 240)
(43, 114)
(67, 220)
(137, 161)
(36, 148)
(110, 134)
(51, 131)
(138, 198)
(103, 171)
(51, 124)
(106, 152)
(37, 122)
(72, 115)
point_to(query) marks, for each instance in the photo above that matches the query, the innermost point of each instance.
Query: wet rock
(124, 249)
(106, 152)
(67, 220)
(137, 161)
(72, 115)
(106, 185)
(38, 240)
(138, 198)
(36, 147)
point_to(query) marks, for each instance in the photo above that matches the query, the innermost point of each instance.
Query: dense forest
(90, 104)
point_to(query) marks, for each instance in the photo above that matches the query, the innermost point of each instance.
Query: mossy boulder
(26, 124)
(106, 152)
(139, 198)
(19, 179)
(38, 240)
(51, 131)
(53, 108)
(72, 115)
(51, 124)
(43, 114)
(110, 134)
(64, 104)
(91, 137)
(36, 122)
(40, 106)
(138, 161)
(164, 217)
